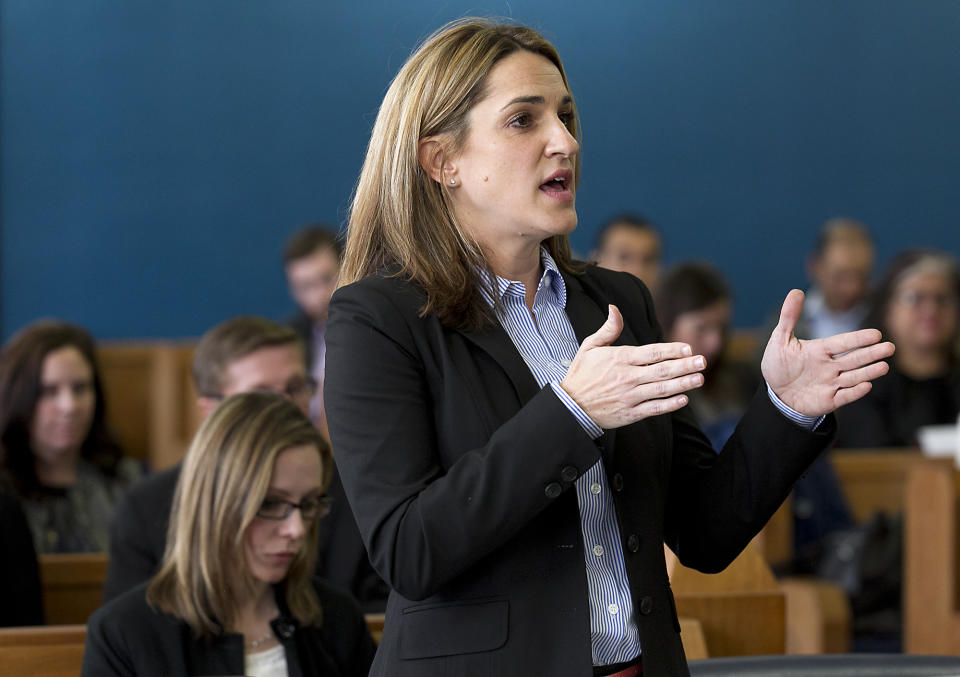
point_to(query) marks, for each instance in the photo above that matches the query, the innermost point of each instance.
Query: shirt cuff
(802, 420)
(587, 423)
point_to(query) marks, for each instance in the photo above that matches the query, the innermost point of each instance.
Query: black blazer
(128, 638)
(459, 470)
(303, 325)
(21, 601)
(138, 537)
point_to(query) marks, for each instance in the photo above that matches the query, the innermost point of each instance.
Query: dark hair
(229, 341)
(903, 264)
(310, 239)
(629, 219)
(840, 229)
(688, 287)
(21, 372)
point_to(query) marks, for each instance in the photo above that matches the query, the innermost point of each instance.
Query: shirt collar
(551, 279)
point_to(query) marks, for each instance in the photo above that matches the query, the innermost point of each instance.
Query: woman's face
(65, 408)
(515, 172)
(704, 330)
(270, 545)
(922, 314)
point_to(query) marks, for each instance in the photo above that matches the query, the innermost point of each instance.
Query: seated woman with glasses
(235, 593)
(917, 306)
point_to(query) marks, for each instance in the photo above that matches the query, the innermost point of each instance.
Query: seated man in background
(311, 261)
(839, 268)
(243, 354)
(630, 244)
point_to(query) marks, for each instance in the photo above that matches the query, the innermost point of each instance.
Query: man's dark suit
(303, 325)
(459, 470)
(139, 533)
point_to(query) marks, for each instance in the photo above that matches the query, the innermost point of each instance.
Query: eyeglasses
(310, 509)
(296, 391)
(915, 299)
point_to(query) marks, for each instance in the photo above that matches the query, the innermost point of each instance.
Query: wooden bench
(150, 399)
(741, 610)
(931, 591)
(47, 651)
(72, 586)
(872, 480)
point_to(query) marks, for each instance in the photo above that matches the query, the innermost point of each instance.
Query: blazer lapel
(494, 340)
(587, 310)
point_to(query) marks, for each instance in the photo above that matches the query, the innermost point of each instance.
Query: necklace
(254, 643)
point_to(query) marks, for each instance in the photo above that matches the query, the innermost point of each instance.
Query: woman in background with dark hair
(56, 450)
(694, 307)
(917, 306)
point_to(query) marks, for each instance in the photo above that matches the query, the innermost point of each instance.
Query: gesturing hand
(816, 377)
(618, 385)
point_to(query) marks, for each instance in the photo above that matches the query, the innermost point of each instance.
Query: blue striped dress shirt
(547, 343)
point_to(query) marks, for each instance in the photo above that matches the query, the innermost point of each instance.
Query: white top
(269, 663)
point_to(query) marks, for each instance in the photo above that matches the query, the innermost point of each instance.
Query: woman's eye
(566, 117)
(521, 120)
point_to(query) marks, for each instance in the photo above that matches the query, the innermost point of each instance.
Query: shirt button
(595, 488)
(613, 609)
(598, 550)
(618, 482)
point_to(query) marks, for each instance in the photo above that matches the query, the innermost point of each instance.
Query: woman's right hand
(619, 385)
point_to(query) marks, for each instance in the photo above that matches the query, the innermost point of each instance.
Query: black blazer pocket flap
(435, 630)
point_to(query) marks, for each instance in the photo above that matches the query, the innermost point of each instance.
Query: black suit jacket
(138, 536)
(21, 601)
(459, 469)
(303, 325)
(128, 638)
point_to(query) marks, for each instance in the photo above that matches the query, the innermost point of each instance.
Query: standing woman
(54, 444)
(235, 594)
(509, 427)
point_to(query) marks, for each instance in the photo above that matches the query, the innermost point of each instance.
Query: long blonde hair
(400, 216)
(223, 481)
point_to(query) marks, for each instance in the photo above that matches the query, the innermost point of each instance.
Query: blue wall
(156, 154)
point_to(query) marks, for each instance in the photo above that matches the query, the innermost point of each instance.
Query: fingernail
(699, 363)
(687, 351)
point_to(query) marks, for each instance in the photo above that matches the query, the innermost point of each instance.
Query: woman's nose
(292, 525)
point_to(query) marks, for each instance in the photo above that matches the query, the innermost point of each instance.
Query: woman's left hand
(817, 377)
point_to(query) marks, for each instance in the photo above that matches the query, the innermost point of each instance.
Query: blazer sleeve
(716, 503)
(20, 591)
(138, 532)
(105, 653)
(425, 521)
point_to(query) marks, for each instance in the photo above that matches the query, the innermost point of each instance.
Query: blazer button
(646, 605)
(618, 482)
(569, 474)
(553, 490)
(633, 543)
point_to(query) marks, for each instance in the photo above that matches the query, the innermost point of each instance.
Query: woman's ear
(432, 158)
